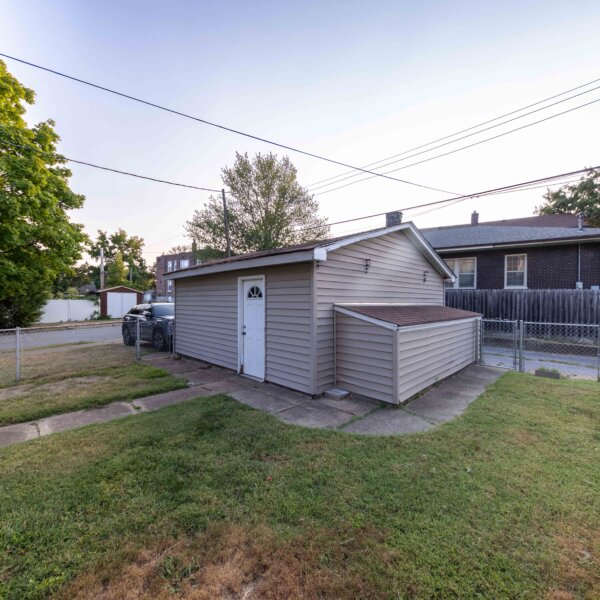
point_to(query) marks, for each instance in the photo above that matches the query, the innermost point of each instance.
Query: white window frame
(169, 266)
(515, 287)
(456, 270)
(169, 286)
(182, 261)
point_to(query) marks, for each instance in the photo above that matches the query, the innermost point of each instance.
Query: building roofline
(518, 244)
(308, 252)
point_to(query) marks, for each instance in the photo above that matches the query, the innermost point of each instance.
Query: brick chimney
(393, 218)
(474, 218)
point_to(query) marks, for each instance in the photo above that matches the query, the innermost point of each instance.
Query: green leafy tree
(116, 273)
(130, 249)
(582, 197)
(38, 241)
(267, 208)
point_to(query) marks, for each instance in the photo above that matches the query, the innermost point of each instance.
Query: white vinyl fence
(58, 311)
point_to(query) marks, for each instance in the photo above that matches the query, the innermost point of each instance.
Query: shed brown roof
(413, 314)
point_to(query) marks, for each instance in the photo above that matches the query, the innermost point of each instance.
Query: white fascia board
(434, 257)
(251, 263)
(350, 313)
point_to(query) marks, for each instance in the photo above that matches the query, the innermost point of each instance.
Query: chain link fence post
(18, 355)
(172, 339)
(598, 359)
(138, 341)
(520, 347)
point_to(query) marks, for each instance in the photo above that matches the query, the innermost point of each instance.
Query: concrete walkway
(354, 414)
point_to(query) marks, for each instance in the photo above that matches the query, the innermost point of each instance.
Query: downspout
(578, 263)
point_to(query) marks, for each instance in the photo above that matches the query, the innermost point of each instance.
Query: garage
(392, 352)
(116, 301)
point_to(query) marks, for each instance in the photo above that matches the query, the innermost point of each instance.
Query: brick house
(167, 263)
(540, 252)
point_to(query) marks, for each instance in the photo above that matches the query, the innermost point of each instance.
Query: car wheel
(128, 337)
(159, 341)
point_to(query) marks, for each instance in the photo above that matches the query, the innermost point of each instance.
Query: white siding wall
(365, 358)
(207, 321)
(395, 275)
(429, 354)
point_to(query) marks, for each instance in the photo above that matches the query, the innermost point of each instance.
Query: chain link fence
(567, 349)
(49, 351)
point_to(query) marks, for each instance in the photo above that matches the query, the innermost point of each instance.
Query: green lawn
(210, 499)
(82, 388)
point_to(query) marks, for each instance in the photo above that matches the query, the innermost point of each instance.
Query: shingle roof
(405, 315)
(251, 259)
(482, 235)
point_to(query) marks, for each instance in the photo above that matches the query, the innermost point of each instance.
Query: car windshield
(163, 310)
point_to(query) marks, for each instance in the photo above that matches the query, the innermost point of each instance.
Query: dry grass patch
(231, 562)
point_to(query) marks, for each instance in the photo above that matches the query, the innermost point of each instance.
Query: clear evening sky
(356, 81)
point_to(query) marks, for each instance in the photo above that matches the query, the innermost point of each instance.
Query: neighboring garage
(116, 301)
(392, 352)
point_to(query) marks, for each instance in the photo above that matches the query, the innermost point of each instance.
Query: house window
(515, 271)
(169, 266)
(465, 270)
(184, 264)
(169, 285)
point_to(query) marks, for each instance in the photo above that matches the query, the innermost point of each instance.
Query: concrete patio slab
(315, 414)
(261, 401)
(22, 432)
(151, 403)
(450, 399)
(81, 418)
(389, 421)
(357, 406)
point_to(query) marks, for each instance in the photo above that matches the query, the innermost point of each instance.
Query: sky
(353, 81)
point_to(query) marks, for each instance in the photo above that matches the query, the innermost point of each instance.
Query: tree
(580, 198)
(130, 249)
(267, 208)
(38, 241)
(116, 273)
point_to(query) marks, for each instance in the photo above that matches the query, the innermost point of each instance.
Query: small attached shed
(116, 301)
(392, 352)
(270, 315)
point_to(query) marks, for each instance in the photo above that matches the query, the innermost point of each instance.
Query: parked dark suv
(156, 320)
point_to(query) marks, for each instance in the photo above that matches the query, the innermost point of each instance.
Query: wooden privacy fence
(540, 306)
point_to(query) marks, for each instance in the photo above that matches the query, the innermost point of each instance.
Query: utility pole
(101, 268)
(226, 219)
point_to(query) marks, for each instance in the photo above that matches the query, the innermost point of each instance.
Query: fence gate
(500, 343)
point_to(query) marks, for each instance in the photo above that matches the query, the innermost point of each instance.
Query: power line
(467, 146)
(339, 180)
(494, 191)
(222, 127)
(508, 114)
(112, 170)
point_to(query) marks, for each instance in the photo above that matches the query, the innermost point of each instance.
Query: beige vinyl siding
(395, 275)
(289, 326)
(206, 323)
(364, 358)
(206, 319)
(427, 354)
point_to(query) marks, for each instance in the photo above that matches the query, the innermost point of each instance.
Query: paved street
(70, 334)
(573, 365)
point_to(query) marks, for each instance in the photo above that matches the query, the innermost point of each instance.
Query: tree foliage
(267, 208)
(38, 242)
(116, 273)
(128, 251)
(582, 197)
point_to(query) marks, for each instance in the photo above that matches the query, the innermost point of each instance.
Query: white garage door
(119, 303)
